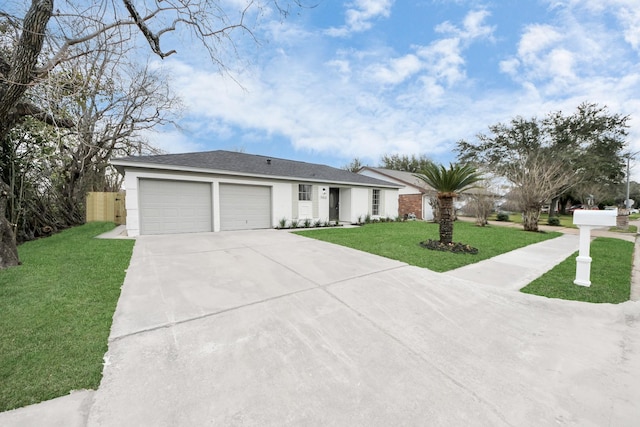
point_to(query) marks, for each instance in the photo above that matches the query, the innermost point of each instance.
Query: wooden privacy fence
(106, 207)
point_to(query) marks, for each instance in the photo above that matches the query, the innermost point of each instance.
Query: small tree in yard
(537, 179)
(448, 183)
(481, 205)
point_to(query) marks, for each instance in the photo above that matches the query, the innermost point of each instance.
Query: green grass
(400, 241)
(611, 265)
(516, 217)
(632, 229)
(56, 311)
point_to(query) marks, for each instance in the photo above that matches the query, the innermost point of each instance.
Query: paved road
(268, 328)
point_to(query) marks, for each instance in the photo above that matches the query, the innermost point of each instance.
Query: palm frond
(453, 180)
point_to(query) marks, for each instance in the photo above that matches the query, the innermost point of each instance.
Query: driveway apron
(267, 328)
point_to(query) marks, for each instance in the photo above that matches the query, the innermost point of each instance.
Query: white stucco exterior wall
(390, 200)
(360, 205)
(354, 201)
(282, 204)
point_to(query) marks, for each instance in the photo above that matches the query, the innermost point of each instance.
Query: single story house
(414, 198)
(224, 190)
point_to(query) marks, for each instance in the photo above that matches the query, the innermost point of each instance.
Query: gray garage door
(244, 207)
(174, 206)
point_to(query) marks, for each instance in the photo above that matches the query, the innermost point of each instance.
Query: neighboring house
(224, 190)
(415, 196)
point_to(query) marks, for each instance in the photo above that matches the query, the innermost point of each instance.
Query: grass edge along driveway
(56, 311)
(611, 266)
(400, 241)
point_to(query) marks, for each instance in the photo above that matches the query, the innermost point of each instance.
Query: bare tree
(48, 36)
(111, 105)
(481, 199)
(480, 205)
(537, 179)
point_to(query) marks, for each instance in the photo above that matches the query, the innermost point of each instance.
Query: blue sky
(362, 78)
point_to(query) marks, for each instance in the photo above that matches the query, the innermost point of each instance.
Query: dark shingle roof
(250, 164)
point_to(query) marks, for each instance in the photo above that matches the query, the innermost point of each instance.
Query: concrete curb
(120, 232)
(66, 411)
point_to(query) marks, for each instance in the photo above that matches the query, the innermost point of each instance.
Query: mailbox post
(586, 221)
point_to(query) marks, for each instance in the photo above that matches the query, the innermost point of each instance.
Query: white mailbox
(586, 220)
(595, 219)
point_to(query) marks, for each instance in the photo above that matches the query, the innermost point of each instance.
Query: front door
(334, 204)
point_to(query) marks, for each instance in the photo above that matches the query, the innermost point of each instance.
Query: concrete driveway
(267, 328)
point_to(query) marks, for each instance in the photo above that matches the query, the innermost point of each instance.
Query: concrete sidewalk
(516, 269)
(270, 328)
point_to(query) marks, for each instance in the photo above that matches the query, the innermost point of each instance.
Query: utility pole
(626, 201)
(629, 155)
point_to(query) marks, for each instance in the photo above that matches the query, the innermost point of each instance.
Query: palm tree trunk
(446, 219)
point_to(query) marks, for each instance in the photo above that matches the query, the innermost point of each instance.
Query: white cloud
(173, 141)
(442, 60)
(360, 14)
(536, 40)
(397, 70)
(510, 66)
(473, 26)
(557, 58)
(629, 16)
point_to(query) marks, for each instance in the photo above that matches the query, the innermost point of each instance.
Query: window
(375, 202)
(304, 192)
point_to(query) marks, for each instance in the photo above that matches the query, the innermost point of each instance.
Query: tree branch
(152, 39)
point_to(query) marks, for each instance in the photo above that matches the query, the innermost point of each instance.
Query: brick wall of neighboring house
(410, 203)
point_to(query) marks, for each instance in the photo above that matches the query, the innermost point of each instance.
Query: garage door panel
(245, 207)
(168, 207)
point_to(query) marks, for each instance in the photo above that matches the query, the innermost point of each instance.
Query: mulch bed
(457, 248)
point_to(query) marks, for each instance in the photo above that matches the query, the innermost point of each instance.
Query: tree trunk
(553, 205)
(18, 78)
(530, 218)
(446, 219)
(8, 249)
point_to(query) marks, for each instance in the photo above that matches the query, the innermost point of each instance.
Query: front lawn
(611, 265)
(401, 241)
(56, 311)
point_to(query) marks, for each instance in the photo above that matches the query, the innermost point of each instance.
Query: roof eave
(407, 183)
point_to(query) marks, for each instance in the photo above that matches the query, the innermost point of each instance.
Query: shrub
(282, 223)
(307, 223)
(502, 216)
(554, 220)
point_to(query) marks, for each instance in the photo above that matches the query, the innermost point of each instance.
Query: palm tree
(448, 183)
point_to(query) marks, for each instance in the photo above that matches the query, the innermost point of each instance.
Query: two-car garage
(173, 206)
